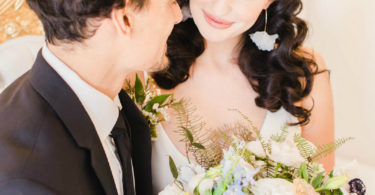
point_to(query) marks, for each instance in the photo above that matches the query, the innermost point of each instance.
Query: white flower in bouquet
(347, 169)
(202, 183)
(193, 183)
(302, 187)
(148, 97)
(230, 158)
(256, 148)
(245, 165)
(155, 106)
(206, 184)
(273, 186)
(259, 163)
(286, 153)
(188, 172)
(171, 189)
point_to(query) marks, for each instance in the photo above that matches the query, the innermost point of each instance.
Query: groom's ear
(122, 22)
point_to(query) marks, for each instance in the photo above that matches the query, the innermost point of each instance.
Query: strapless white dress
(163, 147)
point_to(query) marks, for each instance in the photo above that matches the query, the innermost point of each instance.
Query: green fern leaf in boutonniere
(150, 101)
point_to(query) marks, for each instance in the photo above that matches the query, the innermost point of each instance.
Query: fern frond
(304, 147)
(282, 136)
(224, 135)
(269, 148)
(247, 119)
(249, 157)
(209, 157)
(186, 119)
(266, 146)
(326, 149)
(269, 170)
(210, 154)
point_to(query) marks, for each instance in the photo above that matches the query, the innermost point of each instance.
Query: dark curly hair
(68, 19)
(281, 77)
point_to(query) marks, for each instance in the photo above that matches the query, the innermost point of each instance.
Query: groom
(65, 127)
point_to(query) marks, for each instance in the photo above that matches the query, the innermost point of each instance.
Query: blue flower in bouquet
(249, 178)
(236, 172)
(235, 188)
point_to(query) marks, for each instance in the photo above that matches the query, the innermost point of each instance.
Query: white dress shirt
(102, 110)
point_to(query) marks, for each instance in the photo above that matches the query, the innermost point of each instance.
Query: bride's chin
(214, 37)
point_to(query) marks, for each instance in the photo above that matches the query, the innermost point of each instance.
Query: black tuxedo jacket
(48, 144)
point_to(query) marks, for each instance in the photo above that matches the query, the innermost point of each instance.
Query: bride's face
(219, 20)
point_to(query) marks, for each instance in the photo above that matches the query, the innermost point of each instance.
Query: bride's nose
(221, 7)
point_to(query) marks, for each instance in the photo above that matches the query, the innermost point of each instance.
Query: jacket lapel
(141, 145)
(70, 110)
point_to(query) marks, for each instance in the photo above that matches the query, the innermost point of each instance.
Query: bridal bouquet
(150, 101)
(276, 166)
(284, 164)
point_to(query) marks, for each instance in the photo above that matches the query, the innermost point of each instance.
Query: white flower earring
(263, 40)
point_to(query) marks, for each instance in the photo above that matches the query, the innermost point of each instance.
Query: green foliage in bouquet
(149, 100)
(324, 184)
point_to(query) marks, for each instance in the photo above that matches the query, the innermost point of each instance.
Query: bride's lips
(215, 22)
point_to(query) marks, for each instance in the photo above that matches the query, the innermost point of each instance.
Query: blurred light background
(343, 31)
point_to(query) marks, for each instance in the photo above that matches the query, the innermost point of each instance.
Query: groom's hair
(75, 20)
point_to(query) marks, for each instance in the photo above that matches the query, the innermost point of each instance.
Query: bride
(221, 58)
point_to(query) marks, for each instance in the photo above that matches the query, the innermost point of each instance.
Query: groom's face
(152, 29)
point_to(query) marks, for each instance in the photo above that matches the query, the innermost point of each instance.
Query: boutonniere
(150, 101)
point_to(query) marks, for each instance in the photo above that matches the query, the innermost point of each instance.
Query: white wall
(343, 31)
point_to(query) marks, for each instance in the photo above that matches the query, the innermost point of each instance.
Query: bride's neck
(220, 54)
